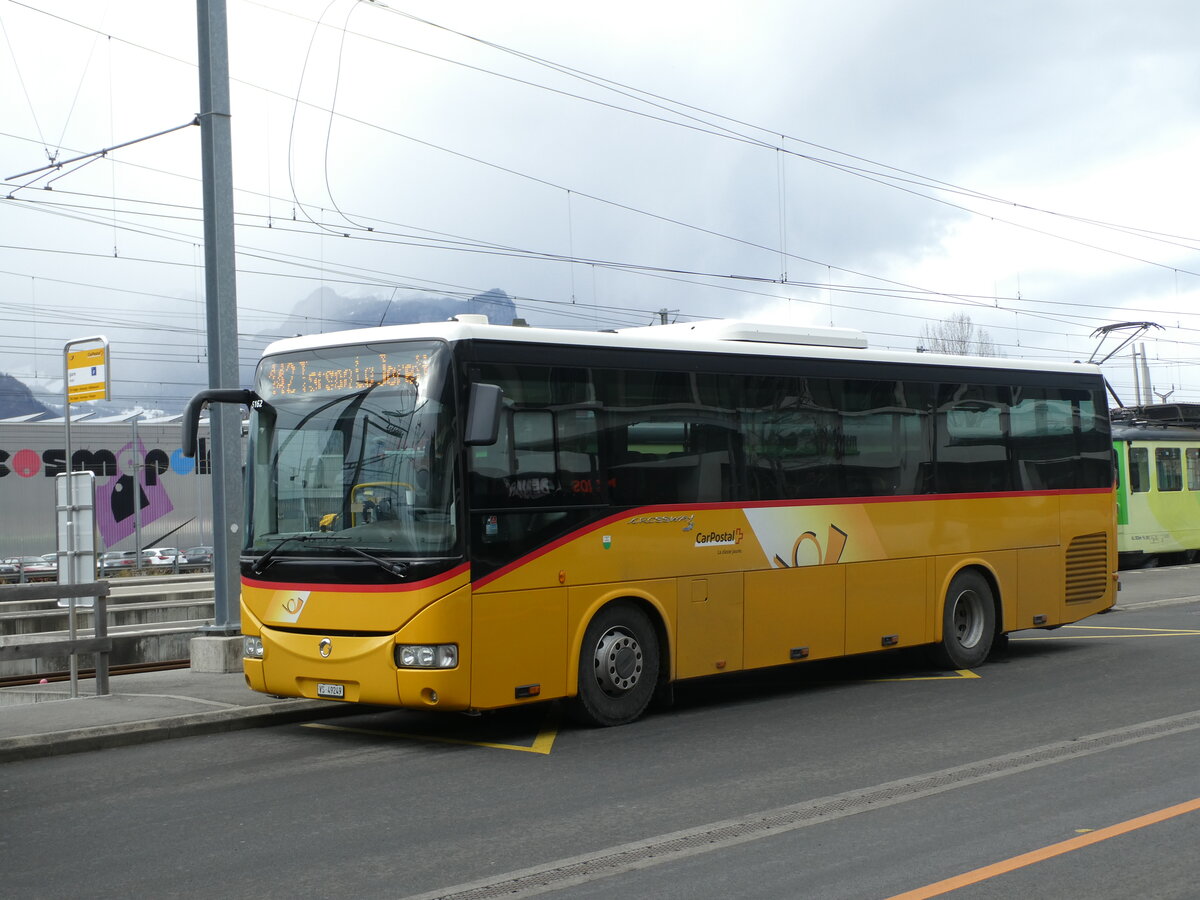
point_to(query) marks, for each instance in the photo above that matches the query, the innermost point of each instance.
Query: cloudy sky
(873, 164)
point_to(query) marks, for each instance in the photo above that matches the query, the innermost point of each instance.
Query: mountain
(165, 385)
(16, 399)
(326, 310)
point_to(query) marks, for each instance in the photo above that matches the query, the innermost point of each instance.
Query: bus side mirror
(483, 415)
(191, 415)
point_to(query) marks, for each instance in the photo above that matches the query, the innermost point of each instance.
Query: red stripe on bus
(683, 509)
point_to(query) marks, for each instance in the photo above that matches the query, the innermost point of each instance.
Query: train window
(1168, 469)
(1193, 469)
(1139, 470)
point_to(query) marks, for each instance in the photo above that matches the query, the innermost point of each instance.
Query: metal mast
(221, 303)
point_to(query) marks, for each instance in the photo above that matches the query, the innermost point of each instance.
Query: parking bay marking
(1120, 632)
(542, 743)
(957, 675)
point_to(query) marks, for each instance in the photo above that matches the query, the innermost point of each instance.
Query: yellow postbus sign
(87, 377)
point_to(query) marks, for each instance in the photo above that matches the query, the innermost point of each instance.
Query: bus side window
(533, 441)
(491, 465)
(1139, 470)
(1055, 440)
(647, 454)
(715, 449)
(971, 454)
(577, 442)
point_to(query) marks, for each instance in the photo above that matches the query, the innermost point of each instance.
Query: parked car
(163, 556)
(199, 556)
(32, 568)
(51, 558)
(116, 561)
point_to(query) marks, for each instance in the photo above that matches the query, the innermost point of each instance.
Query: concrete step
(18, 696)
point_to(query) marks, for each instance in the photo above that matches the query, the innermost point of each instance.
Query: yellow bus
(466, 516)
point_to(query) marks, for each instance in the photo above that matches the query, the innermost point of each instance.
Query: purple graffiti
(115, 499)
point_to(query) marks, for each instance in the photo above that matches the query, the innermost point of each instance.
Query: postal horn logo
(293, 605)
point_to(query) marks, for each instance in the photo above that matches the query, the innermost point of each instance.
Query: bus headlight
(426, 656)
(252, 647)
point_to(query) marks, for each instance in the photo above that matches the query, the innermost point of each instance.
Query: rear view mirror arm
(191, 415)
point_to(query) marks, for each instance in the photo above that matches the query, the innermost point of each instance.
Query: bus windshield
(352, 447)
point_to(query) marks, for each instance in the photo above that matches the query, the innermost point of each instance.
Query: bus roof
(713, 336)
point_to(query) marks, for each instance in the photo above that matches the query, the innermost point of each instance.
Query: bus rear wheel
(618, 666)
(968, 623)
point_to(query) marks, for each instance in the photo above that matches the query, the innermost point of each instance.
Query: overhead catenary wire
(682, 272)
(879, 171)
(891, 290)
(844, 288)
(879, 177)
(670, 220)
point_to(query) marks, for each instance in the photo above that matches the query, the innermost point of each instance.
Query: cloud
(428, 160)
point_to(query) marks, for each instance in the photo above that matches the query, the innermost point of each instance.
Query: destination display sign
(343, 371)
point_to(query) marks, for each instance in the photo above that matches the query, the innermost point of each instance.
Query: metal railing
(23, 577)
(99, 644)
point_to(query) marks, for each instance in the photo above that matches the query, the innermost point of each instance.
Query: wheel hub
(618, 662)
(968, 619)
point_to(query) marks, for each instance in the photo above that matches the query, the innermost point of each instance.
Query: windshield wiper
(399, 569)
(268, 557)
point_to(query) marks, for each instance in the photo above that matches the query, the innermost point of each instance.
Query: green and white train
(1158, 489)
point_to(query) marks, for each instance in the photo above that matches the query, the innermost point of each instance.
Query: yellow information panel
(86, 375)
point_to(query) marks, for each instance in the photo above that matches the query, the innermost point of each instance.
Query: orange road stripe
(1027, 859)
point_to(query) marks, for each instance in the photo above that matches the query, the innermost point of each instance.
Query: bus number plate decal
(331, 691)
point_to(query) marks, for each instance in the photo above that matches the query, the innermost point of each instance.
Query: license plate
(332, 691)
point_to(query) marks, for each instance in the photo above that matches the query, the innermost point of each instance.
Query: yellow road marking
(541, 744)
(975, 876)
(1131, 628)
(1122, 632)
(955, 676)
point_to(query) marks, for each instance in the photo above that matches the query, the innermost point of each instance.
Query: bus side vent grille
(1087, 568)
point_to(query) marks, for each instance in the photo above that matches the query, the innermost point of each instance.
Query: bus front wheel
(968, 623)
(618, 666)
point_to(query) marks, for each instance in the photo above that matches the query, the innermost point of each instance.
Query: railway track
(126, 669)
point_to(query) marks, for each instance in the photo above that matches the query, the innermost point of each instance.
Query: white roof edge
(762, 333)
(674, 337)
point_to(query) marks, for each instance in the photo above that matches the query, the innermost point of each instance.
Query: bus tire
(618, 667)
(968, 622)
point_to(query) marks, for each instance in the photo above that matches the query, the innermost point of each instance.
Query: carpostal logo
(719, 538)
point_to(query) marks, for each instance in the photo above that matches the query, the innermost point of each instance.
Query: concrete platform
(44, 720)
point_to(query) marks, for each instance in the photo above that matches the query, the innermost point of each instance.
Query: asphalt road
(1067, 767)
